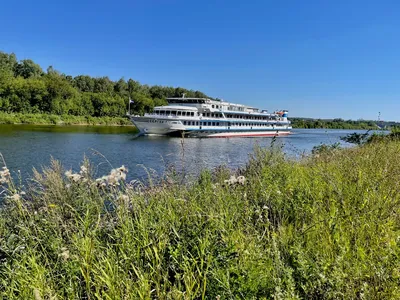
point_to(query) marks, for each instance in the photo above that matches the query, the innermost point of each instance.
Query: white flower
(4, 175)
(15, 197)
(83, 170)
(241, 180)
(75, 177)
(123, 169)
(64, 253)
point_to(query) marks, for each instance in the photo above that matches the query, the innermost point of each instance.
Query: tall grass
(325, 227)
(48, 119)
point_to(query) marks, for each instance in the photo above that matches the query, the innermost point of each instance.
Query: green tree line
(333, 124)
(26, 88)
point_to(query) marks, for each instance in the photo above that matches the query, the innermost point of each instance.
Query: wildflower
(84, 170)
(4, 175)
(233, 180)
(15, 197)
(72, 176)
(122, 169)
(215, 186)
(76, 177)
(124, 198)
(114, 178)
(37, 295)
(64, 253)
(241, 180)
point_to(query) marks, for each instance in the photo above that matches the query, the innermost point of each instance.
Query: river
(25, 147)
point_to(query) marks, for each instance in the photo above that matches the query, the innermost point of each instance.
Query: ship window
(212, 106)
(179, 113)
(192, 114)
(184, 122)
(173, 112)
(213, 123)
(217, 123)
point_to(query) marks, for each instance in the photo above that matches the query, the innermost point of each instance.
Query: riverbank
(48, 119)
(323, 227)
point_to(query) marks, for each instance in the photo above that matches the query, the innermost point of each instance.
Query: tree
(121, 88)
(8, 63)
(103, 85)
(142, 103)
(27, 68)
(133, 86)
(84, 83)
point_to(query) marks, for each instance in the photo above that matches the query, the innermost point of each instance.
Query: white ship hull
(157, 126)
(175, 127)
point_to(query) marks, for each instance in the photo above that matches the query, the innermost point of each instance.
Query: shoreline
(70, 120)
(65, 124)
(61, 120)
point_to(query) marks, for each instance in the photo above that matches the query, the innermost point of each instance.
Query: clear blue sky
(316, 58)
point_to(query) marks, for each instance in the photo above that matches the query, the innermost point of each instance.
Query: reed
(324, 227)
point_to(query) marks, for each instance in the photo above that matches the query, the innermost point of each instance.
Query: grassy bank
(48, 119)
(325, 227)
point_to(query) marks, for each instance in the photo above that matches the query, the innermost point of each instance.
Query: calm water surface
(27, 146)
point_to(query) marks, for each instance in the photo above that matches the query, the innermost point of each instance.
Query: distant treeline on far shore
(341, 124)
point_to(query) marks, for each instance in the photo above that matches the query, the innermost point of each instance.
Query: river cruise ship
(202, 117)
